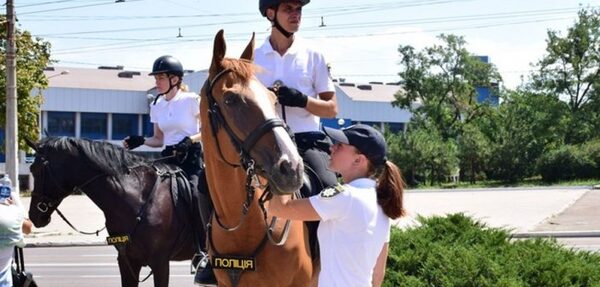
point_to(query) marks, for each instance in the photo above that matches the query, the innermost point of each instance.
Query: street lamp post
(63, 72)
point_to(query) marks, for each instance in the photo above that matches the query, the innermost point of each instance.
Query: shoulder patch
(332, 191)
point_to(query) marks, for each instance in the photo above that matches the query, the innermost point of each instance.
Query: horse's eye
(231, 99)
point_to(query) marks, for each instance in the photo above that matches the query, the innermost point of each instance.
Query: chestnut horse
(149, 224)
(248, 150)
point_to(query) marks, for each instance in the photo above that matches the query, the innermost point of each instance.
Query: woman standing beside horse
(355, 217)
(175, 114)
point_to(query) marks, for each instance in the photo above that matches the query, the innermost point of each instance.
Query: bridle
(243, 148)
(217, 120)
(46, 201)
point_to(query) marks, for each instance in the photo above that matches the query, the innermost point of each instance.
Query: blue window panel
(147, 126)
(61, 124)
(94, 126)
(486, 95)
(124, 125)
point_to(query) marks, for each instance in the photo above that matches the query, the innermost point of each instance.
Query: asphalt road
(89, 266)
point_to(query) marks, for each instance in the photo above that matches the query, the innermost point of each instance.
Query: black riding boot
(204, 272)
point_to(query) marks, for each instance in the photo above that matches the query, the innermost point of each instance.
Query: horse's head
(64, 165)
(240, 118)
(48, 170)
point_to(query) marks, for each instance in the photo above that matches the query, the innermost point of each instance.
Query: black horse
(148, 220)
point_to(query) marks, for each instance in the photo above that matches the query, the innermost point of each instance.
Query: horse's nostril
(285, 167)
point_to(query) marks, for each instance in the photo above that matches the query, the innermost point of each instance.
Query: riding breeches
(314, 150)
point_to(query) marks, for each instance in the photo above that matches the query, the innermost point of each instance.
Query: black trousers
(314, 150)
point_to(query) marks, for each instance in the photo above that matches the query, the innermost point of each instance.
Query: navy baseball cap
(364, 138)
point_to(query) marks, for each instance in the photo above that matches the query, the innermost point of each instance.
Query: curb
(66, 244)
(558, 234)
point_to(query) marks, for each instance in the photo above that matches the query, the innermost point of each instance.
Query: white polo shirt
(301, 68)
(176, 118)
(351, 234)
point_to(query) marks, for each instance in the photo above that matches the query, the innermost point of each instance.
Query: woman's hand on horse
(133, 141)
(291, 97)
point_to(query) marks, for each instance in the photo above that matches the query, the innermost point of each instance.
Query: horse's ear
(248, 53)
(219, 48)
(31, 144)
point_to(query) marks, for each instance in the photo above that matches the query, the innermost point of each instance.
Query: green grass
(458, 251)
(529, 182)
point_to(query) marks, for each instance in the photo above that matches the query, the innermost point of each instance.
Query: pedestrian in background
(356, 216)
(13, 224)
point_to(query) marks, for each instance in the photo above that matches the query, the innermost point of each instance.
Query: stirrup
(201, 259)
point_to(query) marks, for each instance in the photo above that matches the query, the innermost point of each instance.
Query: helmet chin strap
(171, 86)
(281, 30)
(279, 27)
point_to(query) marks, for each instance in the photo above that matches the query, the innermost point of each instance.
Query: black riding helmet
(167, 65)
(263, 5)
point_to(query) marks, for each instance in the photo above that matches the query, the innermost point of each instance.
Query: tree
(521, 130)
(571, 71)
(474, 152)
(423, 154)
(33, 55)
(442, 81)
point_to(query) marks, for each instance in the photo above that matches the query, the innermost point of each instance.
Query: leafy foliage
(440, 83)
(571, 162)
(33, 55)
(521, 129)
(458, 251)
(571, 71)
(423, 153)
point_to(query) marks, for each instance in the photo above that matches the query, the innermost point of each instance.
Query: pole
(11, 137)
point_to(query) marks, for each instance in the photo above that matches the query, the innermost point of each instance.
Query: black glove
(291, 97)
(184, 145)
(134, 141)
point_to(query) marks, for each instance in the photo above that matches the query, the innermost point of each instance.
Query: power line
(73, 7)
(48, 3)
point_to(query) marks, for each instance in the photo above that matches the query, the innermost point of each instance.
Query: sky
(359, 38)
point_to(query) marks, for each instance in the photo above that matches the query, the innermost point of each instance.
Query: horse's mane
(106, 157)
(244, 69)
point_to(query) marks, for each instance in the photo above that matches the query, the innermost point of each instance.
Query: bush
(592, 150)
(458, 251)
(566, 163)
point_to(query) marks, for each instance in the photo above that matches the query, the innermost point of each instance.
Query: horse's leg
(161, 273)
(130, 272)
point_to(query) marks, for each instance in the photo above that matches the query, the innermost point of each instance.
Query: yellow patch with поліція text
(332, 191)
(117, 240)
(233, 262)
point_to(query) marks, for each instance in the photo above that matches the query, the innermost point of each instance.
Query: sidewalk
(573, 209)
